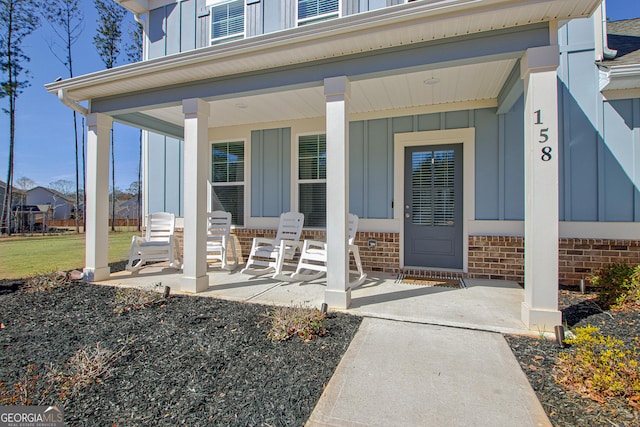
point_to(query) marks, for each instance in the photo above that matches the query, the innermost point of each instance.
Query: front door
(433, 206)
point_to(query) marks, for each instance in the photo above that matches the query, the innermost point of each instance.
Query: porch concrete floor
(488, 305)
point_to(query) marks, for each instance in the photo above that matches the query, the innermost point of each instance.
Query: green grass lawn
(27, 256)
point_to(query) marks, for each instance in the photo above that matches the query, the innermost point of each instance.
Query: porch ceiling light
(432, 81)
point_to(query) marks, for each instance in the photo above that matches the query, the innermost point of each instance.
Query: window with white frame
(227, 179)
(312, 179)
(227, 21)
(317, 10)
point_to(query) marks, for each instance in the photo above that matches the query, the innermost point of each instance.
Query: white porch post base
(96, 274)
(336, 298)
(194, 284)
(540, 319)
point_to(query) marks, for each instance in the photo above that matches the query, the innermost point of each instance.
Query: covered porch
(417, 61)
(488, 305)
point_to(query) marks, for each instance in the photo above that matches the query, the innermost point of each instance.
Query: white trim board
(568, 229)
(467, 138)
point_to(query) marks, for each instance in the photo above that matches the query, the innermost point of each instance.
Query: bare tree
(18, 19)
(23, 183)
(63, 186)
(67, 22)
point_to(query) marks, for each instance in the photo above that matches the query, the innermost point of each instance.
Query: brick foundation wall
(501, 257)
(384, 258)
(490, 257)
(496, 257)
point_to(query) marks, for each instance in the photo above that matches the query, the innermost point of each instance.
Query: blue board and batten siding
(270, 172)
(184, 25)
(599, 140)
(165, 165)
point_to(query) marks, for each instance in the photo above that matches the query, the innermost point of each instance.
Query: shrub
(135, 299)
(47, 281)
(600, 367)
(87, 366)
(630, 298)
(306, 323)
(28, 391)
(613, 281)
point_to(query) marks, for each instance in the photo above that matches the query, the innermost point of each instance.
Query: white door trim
(465, 136)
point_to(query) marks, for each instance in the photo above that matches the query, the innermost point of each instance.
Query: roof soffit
(390, 27)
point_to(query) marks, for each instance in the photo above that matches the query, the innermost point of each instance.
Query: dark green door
(433, 206)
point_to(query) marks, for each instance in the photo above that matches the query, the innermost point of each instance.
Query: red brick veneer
(490, 257)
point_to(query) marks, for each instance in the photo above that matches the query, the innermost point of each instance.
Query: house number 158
(544, 137)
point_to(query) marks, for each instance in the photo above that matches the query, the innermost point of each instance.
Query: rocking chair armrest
(314, 244)
(262, 241)
(291, 244)
(137, 239)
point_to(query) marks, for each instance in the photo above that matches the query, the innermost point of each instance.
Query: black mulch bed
(537, 359)
(188, 361)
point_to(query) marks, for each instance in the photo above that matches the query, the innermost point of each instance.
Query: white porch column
(336, 91)
(196, 161)
(540, 306)
(96, 209)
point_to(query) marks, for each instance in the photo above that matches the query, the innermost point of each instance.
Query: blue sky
(44, 147)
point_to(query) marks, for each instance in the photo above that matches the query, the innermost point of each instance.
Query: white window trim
(229, 37)
(246, 177)
(304, 21)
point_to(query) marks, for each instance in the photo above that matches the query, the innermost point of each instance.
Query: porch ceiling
(402, 25)
(474, 82)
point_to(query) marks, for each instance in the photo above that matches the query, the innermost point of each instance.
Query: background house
(60, 205)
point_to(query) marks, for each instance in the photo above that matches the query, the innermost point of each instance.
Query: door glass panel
(433, 195)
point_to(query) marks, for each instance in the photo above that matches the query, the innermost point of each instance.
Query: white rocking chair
(156, 245)
(269, 255)
(219, 238)
(313, 258)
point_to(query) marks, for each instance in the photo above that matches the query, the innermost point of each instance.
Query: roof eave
(373, 20)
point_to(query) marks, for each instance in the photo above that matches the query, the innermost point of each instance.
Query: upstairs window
(227, 179)
(316, 10)
(312, 179)
(227, 21)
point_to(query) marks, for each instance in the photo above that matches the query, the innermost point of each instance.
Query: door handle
(407, 215)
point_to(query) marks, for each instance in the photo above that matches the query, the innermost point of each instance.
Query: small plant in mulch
(87, 366)
(47, 281)
(600, 367)
(618, 285)
(135, 299)
(303, 322)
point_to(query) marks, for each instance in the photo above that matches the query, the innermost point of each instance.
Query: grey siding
(350, 7)
(272, 14)
(165, 171)
(172, 29)
(270, 172)
(598, 139)
(254, 18)
(621, 160)
(499, 160)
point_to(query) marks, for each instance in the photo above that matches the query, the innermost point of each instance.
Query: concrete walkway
(423, 356)
(407, 374)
